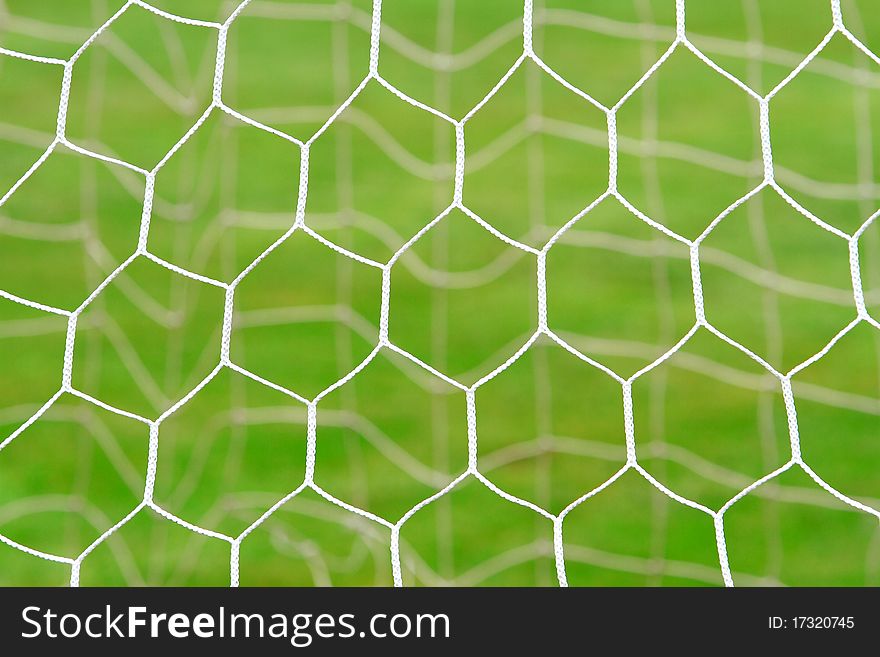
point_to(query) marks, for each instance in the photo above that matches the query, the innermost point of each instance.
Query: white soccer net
(533, 246)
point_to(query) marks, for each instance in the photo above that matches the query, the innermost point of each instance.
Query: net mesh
(535, 245)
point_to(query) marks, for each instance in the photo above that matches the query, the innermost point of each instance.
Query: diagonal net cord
(680, 41)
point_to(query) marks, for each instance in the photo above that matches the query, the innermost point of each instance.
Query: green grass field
(707, 422)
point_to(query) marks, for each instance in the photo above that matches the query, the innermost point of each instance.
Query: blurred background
(708, 422)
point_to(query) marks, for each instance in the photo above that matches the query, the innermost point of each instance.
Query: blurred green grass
(708, 422)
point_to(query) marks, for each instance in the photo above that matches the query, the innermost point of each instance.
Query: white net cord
(763, 105)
